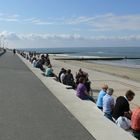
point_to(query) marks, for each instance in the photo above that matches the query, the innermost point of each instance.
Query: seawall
(85, 111)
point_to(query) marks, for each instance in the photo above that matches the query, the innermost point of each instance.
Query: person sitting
(81, 90)
(135, 122)
(122, 107)
(49, 71)
(62, 76)
(40, 63)
(68, 79)
(34, 57)
(108, 104)
(34, 62)
(81, 73)
(87, 83)
(47, 60)
(101, 94)
(59, 75)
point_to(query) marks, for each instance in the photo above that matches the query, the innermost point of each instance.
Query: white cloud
(104, 22)
(107, 22)
(15, 40)
(78, 20)
(9, 18)
(14, 36)
(37, 21)
(17, 18)
(9, 36)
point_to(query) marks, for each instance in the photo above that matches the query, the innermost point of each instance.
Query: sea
(132, 54)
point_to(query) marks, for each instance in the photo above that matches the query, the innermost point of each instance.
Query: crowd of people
(118, 111)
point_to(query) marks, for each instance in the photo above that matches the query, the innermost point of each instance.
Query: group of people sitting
(119, 111)
(80, 82)
(40, 62)
(66, 77)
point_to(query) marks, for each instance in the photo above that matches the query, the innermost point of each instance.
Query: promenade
(86, 112)
(29, 111)
(35, 107)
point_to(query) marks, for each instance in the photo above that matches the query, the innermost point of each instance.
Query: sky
(69, 23)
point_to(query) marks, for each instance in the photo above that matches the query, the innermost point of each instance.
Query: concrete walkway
(29, 111)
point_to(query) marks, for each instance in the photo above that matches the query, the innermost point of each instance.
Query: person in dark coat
(122, 107)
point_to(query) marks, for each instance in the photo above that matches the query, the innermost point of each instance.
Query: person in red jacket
(135, 122)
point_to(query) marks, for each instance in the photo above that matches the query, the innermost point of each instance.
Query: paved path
(28, 110)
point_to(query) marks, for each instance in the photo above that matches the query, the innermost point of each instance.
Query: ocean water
(129, 52)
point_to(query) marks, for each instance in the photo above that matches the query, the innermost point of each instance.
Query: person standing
(14, 51)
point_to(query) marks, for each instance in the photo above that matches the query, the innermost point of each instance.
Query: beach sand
(120, 79)
(124, 72)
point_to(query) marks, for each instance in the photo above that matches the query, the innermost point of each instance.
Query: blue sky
(69, 23)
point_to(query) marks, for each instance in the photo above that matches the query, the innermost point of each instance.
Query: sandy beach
(124, 72)
(119, 78)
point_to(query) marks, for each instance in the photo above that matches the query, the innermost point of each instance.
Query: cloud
(14, 40)
(16, 18)
(78, 20)
(35, 37)
(37, 21)
(9, 18)
(9, 36)
(113, 22)
(107, 22)
(97, 23)
(32, 36)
